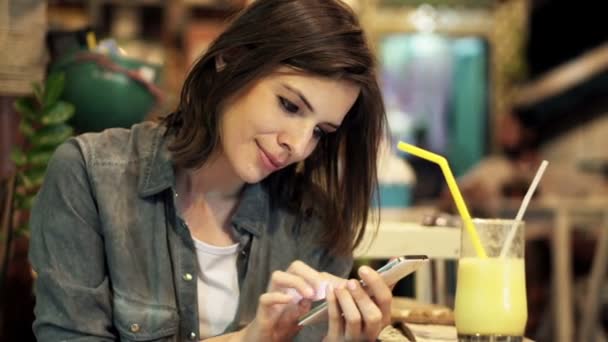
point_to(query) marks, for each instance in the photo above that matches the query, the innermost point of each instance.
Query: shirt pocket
(136, 321)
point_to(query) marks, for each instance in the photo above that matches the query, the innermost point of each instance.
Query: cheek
(309, 151)
(234, 129)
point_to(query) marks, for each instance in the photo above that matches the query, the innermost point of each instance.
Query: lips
(269, 160)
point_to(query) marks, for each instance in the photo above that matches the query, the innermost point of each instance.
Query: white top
(217, 286)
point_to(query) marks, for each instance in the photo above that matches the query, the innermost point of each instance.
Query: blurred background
(495, 86)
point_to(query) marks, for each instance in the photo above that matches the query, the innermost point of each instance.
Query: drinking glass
(491, 292)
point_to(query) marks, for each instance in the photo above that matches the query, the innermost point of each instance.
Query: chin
(252, 180)
(252, 176)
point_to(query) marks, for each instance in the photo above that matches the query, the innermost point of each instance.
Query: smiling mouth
(268, 161)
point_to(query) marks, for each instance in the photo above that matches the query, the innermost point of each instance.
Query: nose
(298, 142)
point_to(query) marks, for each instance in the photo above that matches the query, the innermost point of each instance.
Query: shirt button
(192, 336)
(187, 277)
(135, 327)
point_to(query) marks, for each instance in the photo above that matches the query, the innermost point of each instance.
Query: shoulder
(120, 145)
(116, 158)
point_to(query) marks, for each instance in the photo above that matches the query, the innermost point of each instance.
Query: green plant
(44, 127)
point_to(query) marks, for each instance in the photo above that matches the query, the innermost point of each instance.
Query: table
(588, 211)
(565, 214)
(395, 238)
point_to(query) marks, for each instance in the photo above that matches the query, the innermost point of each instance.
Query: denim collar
(156, 169)
(157, 174)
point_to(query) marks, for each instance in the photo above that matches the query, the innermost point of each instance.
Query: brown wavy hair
(319, 37)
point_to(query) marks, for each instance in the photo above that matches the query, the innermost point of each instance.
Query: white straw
(523, 207)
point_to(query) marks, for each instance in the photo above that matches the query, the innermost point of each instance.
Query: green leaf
(26, 128)
(38, 92)
(23, 230)
(40, 157)
(54, 88)
(58, 113)
(18, 157)
(52, 135)
(24, 181)
(29, 202)
(25, 106)
(32, 179)
(21, 201)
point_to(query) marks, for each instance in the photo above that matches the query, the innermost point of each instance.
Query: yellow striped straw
(449, 177)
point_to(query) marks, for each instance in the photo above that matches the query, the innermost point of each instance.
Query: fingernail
(352, 285)
(321, 291)
(294, 294)
(364, 270)
(310, 292)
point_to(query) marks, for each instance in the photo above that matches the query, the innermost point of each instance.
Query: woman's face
(279, 120)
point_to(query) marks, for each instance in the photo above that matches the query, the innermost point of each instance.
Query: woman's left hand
(357, 313)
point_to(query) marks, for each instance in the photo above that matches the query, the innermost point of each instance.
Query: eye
(319, 133)
(288, 105)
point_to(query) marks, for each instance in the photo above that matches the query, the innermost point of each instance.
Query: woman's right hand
(289, 296)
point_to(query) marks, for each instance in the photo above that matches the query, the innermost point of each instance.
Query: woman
(225, 220)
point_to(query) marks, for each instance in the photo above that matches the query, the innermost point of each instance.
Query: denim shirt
(116, 262)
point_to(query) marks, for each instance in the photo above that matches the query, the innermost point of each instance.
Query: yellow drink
(491, 296)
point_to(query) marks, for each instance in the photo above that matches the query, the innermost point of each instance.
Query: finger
(283, 281)
(392, 287)
(304, 306)
(352, 316)
(270, 307)
(378, 290)
(370, 313)
(335, 321)
(293, 311)
(314, 278)
(328, 279)
(286, 326)
(333, 279)
(272, 298)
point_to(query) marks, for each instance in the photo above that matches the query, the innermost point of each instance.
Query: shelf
(159, 3)
(218, 4)
(566, 97)
(565, 77)
(213, 4)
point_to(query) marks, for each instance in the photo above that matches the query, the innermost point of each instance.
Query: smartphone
(391, 272)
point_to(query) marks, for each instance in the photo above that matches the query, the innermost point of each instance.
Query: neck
(215, 180)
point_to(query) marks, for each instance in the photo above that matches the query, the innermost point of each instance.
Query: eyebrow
(300, 95)
(332, 125)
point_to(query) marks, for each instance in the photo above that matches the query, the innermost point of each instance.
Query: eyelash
(288, 106)
(292, 108)
(319, 132)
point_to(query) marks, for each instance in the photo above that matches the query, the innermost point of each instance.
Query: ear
(220, 64)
